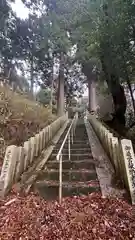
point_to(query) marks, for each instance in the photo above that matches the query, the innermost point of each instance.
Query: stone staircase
(79, 174)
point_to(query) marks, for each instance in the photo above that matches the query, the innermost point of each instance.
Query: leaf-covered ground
(20, 118)
(86, 217)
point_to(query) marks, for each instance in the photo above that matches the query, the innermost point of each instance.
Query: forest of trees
(91, 40)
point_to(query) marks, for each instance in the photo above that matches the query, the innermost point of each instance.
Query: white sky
(20, 9)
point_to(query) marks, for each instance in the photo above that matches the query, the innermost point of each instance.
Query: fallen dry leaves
(85, 217)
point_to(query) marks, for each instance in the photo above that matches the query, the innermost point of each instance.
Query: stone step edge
(52, 170)
(68, 184)
(91, 161)
(75, 149)
(73, 154)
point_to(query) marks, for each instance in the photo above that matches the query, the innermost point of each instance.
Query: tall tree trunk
(51, 97)
(131, 93)
(129, 84)
(112, 79)
(89, 95)
(31, 76)
(117, 92)
(60, 99)
(52, 88)
(92, 95)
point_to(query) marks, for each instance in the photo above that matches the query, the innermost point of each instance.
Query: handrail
(69, 136)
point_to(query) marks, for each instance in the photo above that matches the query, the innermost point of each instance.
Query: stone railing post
(121, 155)
(18, 159)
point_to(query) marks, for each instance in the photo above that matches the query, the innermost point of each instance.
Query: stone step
(79, 175)
(73, 150)
(80, 132)
(77, 142)
(66, 164)
(74, 156)
(68, 175)
(80, 136)
(74, 145)
(50, 189)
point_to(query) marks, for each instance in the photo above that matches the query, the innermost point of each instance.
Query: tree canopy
(86, 38)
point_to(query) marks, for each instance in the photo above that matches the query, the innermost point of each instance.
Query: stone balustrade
(18, 158)
(120, 152)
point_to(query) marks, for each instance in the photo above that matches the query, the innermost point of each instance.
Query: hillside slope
(20, 118)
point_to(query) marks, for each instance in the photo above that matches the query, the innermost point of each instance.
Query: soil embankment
(20, 118)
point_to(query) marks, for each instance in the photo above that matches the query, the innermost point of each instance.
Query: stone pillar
(8, 169)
